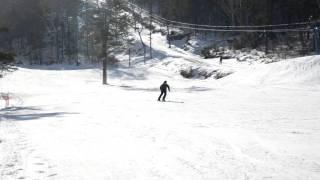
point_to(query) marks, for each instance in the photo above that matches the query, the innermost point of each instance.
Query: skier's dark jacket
(164, 87)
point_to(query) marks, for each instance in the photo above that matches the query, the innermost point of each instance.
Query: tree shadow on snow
(127, 74)
(132, 88)
(59, 67)
(197, 89)
(156, 89)
(13, 109)
(28, 113)
(158, 54)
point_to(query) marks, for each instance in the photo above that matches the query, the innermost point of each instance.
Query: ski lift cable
(244, 30)
(240, 30)
(167, 21)
(260, 26)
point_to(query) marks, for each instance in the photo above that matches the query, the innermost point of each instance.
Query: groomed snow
(261, 122)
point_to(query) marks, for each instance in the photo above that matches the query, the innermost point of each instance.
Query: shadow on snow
(189, 89)
(28, 113)
(59, 67)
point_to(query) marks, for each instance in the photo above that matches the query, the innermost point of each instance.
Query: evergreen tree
(6, 59)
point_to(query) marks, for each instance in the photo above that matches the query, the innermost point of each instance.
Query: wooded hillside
(57, 31)
(236, 12)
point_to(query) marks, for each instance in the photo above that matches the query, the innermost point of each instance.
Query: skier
(163, 89)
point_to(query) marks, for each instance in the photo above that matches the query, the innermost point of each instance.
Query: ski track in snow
(262, 122)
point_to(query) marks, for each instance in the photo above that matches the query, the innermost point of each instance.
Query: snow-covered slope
(302, 71)
(261, 122)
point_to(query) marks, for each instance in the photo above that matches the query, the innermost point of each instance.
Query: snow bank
(305, 70)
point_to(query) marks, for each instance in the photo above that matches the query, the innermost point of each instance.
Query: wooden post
(6, 98)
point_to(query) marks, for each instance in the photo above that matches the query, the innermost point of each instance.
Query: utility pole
(266, 41)
(150, 29)
(168, 35)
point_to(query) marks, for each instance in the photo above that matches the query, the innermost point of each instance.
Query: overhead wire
(236, 30)
(212, 28)
(244, 30)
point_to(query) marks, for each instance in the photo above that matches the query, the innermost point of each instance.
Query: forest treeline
(63, 31)
(59, 31)
(236, 12)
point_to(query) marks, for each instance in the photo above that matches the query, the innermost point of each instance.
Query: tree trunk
(144, 46)
(57, 46)
(87, 30)
(150, 29)
(105, 49)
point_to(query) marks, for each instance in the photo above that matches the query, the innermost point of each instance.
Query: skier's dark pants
(164, 93)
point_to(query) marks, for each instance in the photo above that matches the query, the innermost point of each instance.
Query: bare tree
(137, 17)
